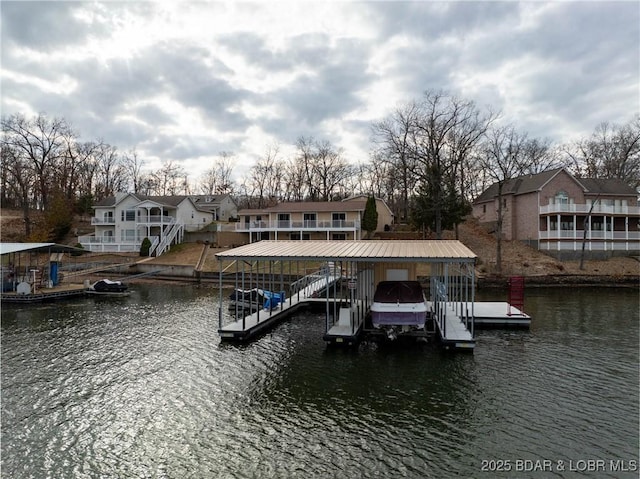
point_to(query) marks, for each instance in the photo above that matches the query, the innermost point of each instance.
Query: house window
(283, 220)
(562, 198)
(128, 235)
(296, 236)
(309, 220)
(339, 236)
(338, 219)
(128, 215)
(484, 208)
(108, 217)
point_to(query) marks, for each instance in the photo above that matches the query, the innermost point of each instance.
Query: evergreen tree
(452, 211)
(370, 217)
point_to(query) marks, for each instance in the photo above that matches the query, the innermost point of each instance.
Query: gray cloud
(577, 65)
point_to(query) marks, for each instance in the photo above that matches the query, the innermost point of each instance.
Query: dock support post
(220, 289)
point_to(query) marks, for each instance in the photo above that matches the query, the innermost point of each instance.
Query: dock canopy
(8, 248)
(374, 251)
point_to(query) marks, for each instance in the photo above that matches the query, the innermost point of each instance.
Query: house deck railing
(307, 225)
(584, 209)
(155, 220)
(106, 244)
(591, 235)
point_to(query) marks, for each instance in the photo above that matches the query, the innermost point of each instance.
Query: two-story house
(555, 212)
(122, 222)
(334, 220)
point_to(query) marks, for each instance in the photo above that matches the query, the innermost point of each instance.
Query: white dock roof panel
(424, 251)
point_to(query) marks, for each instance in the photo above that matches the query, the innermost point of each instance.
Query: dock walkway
(452, 329)
(249, 326)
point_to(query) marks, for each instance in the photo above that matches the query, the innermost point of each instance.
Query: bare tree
(20, 180)
(502, 158)
(329, 170)
(306, 153)
(445, 134)
(612, 151)
(394, 136)
(111, 175)
(133, 165)
(217, 179)
(170, 179)
(41, 142)
(265, 178)
(295, 179)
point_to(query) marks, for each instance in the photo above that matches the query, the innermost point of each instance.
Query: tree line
(429, 158)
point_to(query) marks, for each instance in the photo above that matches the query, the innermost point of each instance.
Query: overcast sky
(184, 81)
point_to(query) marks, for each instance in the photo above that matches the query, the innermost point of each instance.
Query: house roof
(518, 186)
(375, 251)
(167, 200)
(309, 206)
(530, 183)
(607, 186)
(213, 199)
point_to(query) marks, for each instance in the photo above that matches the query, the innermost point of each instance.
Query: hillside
(518, 258)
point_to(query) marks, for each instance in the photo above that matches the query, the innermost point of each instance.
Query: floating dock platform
(499, 315)
(44, 294)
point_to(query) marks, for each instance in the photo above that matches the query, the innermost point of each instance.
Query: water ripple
(143, 388)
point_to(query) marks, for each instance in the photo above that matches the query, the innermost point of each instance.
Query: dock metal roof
(8, 248)
(377, 251)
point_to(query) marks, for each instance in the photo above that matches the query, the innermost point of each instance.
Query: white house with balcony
(556, 212)
(123, 221)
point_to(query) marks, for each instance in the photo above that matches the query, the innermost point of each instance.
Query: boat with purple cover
(399, 304)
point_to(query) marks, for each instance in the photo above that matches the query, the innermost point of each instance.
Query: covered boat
(247, 301)
(108, 287)
(399, 303)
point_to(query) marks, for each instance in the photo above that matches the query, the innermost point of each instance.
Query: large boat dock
(347, 275)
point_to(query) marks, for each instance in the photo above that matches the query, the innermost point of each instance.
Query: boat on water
(106, 287)
(247, 301)
(398, 307)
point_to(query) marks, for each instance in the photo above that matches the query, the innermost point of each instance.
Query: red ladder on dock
(516, 294)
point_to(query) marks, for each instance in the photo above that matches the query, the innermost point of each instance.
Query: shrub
(77, 253)
(145, 247)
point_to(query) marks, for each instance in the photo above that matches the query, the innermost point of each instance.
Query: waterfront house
(223, 207)
(122, 222)
(332, 220)
(551, 211)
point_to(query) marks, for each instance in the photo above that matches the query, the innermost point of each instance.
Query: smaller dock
(246, 328)
(44, 294)
(499, 314)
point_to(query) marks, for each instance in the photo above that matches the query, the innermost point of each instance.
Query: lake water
(142, 387)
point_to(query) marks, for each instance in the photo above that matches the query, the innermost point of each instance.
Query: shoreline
(607, 281)
(482, 281)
